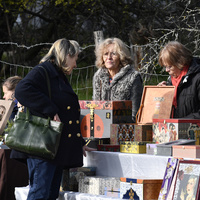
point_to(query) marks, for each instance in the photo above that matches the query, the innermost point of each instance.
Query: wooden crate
(186, 151)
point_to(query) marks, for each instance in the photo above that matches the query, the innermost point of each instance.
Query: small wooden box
(108, 147)
(96, 116)
(133, 147)
(156, 102)
(167, 130)
(151, 149)
(186, 151)
(142, 189)
(112, 192)
(166, 149)
(93, 142)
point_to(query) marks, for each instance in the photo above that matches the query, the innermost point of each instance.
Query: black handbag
(35, 135)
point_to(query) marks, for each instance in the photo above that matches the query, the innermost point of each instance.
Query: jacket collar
(63, 81)
(104, 74)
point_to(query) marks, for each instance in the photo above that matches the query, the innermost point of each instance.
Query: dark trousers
(45, 179)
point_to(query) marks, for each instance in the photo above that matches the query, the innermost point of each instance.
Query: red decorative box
(96, 116)
(108, 147)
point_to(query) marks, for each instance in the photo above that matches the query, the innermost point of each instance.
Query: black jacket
(32, 92)
(188, 93)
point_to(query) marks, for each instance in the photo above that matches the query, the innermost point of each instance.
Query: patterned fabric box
(108, 147)
(168, 177)
(70, 178)
(140, 189)
(121, 132)
(96, 116)
(133, 147)
(96, 185)
(143, 132)
(167, 130)
(130, 132)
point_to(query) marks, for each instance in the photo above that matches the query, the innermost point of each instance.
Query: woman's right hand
(163, 83)
(56, 118)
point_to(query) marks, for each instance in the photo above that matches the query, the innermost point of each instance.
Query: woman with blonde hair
(32, 92)
(184, 71)
(116, 78)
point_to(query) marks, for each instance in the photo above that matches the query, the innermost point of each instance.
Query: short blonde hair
(121, 49)
(176, 54)
(59, 51)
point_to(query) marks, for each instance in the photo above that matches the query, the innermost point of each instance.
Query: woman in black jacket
(32, 92)
(184, 71)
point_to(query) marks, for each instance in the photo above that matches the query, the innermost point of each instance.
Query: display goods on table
(186, 151)
(156, 103)
(96, 117)
(71, 177)
(165, 149)
(168, 177)
(108, 147)
(130, 132)
(112, 192)
(133, 147)
(167, 130)
(96, 184)
(93, 142)
(151, 149)
(6, 108)
(141, 189)
(187, 180)
(171, 189)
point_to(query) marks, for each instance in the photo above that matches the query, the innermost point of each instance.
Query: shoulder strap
(48, 81)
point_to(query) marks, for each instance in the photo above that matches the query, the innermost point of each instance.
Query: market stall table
(113, 164)
(12, 174)
(117, 164)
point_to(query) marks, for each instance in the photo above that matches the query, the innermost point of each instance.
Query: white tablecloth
(113, 164)
(117, 164)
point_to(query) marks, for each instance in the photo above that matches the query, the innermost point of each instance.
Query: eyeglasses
(167, 67)
(112, 54)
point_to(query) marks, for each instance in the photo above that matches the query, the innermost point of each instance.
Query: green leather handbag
(35, 135)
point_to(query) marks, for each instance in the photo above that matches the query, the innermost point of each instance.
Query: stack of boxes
(107, 126)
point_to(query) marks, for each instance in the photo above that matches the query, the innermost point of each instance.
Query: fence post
(98, 37)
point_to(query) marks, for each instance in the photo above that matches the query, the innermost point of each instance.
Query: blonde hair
(11, 82)
(58, 53)
(176, 54)
(120, 48)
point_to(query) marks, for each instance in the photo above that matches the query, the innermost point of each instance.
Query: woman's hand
(86, 148)
(56, 118)
(163, 83)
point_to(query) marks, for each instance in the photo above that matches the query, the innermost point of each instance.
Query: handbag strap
(48, 81)
(49, 90)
